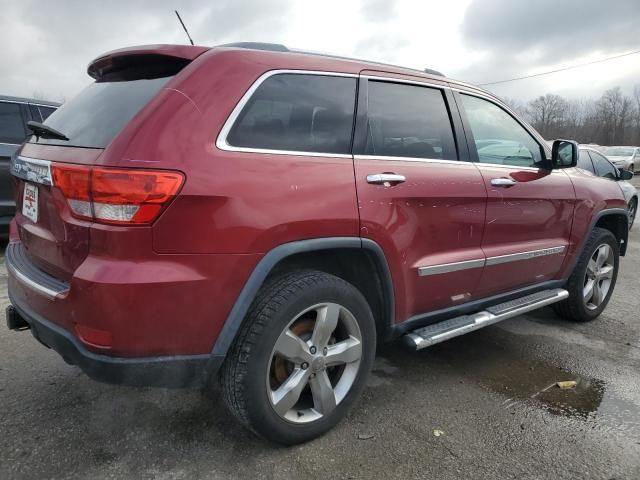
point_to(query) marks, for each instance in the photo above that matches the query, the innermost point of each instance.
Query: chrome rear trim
(22, 268)
(32, 170)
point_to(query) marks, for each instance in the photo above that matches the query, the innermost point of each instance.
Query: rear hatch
(55, 177)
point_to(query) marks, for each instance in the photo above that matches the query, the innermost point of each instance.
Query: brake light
(114, 195)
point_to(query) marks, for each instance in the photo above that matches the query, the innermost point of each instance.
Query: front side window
(298, 112)
(604, 168)
(408, 121)
(11, 125)
(499, 138)
(584, 161)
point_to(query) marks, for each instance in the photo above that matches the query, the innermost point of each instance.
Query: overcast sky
(46, 45)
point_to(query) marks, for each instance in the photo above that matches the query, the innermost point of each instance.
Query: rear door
(12, 134)
(529, 207)
(417, 198)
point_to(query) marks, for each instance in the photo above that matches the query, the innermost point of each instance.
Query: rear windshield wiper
(45, 131)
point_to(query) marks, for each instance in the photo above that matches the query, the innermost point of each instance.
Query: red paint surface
(168, 288)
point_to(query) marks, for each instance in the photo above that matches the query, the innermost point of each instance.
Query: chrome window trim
(30, 103)
(20, 167)
(12, 144)
(410, 159)
(427, 270)
(418, 83)
(221, 141)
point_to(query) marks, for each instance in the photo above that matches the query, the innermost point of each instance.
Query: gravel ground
(472, 407)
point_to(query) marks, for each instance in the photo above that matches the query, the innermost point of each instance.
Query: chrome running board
(441, 331)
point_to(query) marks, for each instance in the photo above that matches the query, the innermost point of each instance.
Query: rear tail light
(114, 195)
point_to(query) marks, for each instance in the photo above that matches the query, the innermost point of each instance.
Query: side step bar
(441, 331)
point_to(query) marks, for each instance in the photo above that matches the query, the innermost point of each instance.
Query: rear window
(298, 112)
(96, 115)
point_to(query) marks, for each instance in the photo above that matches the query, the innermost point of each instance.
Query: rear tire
(301, 357)
(593, 279)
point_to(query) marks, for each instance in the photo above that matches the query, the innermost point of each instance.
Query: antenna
(183, 26)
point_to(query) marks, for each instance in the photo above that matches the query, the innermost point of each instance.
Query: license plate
(30, 202)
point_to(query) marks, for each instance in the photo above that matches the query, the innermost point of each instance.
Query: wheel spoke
(597, 294)
(587, 292)
(293, 348)
(288, 394)
(606, 272)
(603, 255)
(591, 268)
(346, 351)
(326, 323)
(324, 398)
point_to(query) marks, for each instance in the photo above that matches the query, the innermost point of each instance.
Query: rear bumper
(163, 371)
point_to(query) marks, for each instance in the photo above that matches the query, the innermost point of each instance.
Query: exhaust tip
(14, 320)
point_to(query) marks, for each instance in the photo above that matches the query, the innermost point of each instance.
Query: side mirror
(625, 174)
(564, 154)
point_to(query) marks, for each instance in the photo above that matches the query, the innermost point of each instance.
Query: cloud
(47, 45)
(517, 38)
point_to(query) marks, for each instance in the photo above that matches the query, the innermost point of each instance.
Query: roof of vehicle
(37, 101)
(309, 58)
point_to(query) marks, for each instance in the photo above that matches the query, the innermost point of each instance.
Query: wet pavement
(485, 405)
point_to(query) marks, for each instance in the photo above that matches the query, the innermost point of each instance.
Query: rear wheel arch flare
(305, 254)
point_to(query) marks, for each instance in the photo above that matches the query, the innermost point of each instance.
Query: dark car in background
(15, 112)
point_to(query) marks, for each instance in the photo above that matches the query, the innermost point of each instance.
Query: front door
(529, 206)
(417, 199)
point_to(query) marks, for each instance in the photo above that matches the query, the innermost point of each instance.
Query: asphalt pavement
(478, 406)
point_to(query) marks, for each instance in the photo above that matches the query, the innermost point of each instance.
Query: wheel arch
(616, 220)
(325, 254)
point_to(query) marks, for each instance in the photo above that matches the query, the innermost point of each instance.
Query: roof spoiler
(146, 61)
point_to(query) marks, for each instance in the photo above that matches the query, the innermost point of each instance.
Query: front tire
(301, 357)
(632, 210)
(593, 279)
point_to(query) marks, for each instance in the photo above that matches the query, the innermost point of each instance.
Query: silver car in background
(624, 157)
(595, 162)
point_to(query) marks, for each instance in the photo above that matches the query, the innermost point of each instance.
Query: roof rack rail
(273, 47)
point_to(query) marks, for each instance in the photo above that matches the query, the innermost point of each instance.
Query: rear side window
(584, 161)
(98, 113)
(298, 112)
(46, 111)
(35, 113)
(408, 121)
(604, 168)
(11, 125)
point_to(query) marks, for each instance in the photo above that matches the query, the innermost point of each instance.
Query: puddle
(499, 361)
(581, 401)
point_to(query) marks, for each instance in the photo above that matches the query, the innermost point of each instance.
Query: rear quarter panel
(232, 202)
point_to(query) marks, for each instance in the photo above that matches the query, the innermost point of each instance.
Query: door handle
(503, 182)
(385, 178)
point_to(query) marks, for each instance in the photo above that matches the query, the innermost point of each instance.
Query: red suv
(259, 218)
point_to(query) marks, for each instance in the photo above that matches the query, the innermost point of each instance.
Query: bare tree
(547, 113)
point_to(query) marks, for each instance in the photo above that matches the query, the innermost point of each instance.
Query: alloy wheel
(632, 210)
(598, 277)
(314, 363)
